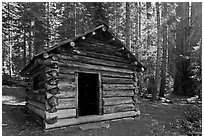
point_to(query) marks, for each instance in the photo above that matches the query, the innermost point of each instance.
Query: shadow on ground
(156, 119)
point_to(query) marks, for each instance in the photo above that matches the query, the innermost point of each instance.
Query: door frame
(77, 91)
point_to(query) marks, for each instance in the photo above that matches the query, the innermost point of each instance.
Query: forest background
(165, 36)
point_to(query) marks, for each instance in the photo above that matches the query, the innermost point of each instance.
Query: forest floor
(156, 119)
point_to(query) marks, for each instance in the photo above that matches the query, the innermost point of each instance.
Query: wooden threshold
(92, 118)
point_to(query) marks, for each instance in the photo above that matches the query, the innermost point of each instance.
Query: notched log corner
(53, 101)
(52, 120)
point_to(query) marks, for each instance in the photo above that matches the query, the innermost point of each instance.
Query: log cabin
(89, 78)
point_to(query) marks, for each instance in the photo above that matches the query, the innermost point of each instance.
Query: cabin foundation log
(89, 119)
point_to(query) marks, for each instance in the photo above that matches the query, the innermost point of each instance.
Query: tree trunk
(75, 19)
(182, 83)
(128, 31)
(136, 30)
(157, 77)
(116, 17)
(171, 45)
(148, 5)
(164, 55)
(139, 24)
(48, 24)
(9, 40)
(24, 48)
(152, 88)
(30, 43)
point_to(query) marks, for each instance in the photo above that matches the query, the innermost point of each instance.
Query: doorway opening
(88, 94)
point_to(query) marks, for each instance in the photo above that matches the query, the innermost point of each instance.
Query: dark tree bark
(182, 83)
(139, 24)
(128, 31)
(148, 6)
(164, 55)
(48, 24)
(30, 42)
(157, 77)
(24, 48)
(9, 40)
(152, 88)
(136, 30)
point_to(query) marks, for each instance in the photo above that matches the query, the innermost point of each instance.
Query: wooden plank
(77, 94)
(117, 100)
(107, 87)
(37, 98)
(65, 113)
(101, 43)
(108, 80)
(47, 62)
(66, 94)
(99, 49)
(66, 103)
(66, 77)
(89, 66)
(116, 75)
(37, 104)
(100, 95)
(118, 108)
(36, 110)
(105, 73)
(66, 70)
(66, 86)
(94, 61)
(118, 93)
(89, 119)
(100, 56)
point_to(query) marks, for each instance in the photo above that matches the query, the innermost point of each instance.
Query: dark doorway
(88, 94)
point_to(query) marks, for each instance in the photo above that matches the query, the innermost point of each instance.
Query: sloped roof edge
(75, 38)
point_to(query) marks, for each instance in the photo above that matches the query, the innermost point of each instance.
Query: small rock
(192, 100)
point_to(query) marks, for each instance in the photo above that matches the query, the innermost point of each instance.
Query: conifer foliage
(165, 37)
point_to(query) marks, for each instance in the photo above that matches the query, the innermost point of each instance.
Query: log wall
(117, 77)
(55, 96)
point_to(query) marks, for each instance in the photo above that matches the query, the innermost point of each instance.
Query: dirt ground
(156, 119)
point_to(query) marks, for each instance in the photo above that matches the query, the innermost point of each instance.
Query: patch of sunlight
(3, 125)
(14, 103)
(7, 98)
(11, 100)
(165, 103)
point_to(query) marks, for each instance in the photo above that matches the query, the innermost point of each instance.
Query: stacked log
(118, 93)
(136, 92)
(42, 99)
